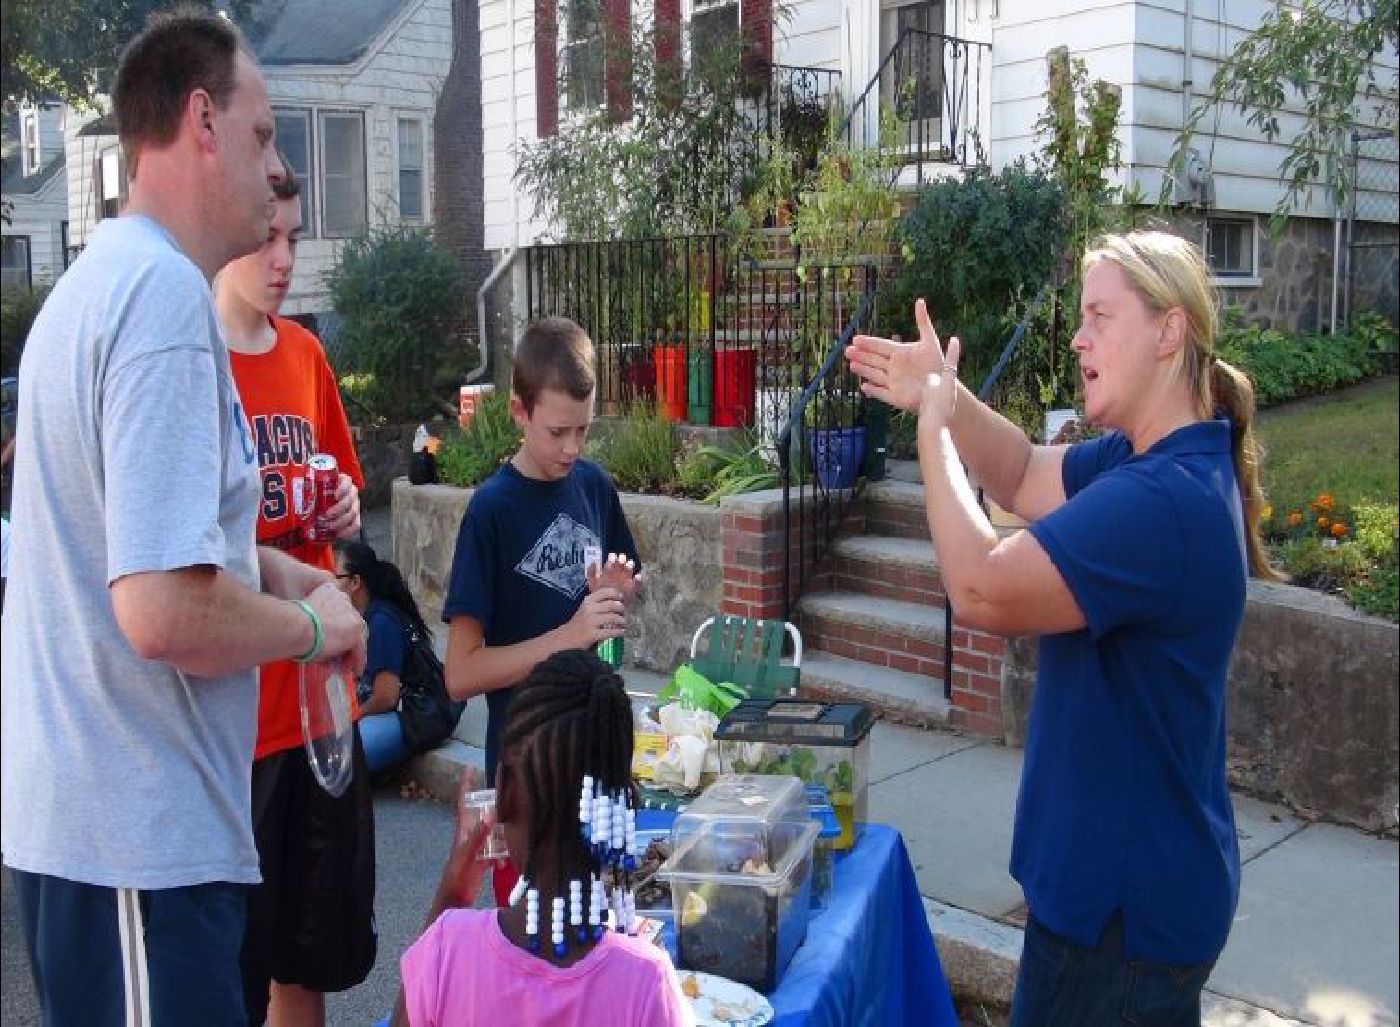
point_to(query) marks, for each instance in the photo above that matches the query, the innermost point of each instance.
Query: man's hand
(287, 577)
(897, 372)
(602, 615)
(343, 630)
(617, 572)
(343, 518)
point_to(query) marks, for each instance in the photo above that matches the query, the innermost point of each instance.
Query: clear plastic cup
(476, 805)
(327, 725)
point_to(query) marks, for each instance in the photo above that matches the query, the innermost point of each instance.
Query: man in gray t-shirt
(134, 618)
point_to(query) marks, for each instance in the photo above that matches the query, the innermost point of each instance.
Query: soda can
(324, 473)
(467, 398)
(609, 650)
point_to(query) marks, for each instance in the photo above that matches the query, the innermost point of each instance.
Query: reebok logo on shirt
(556, 559)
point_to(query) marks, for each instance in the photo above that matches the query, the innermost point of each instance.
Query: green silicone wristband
(317, 637)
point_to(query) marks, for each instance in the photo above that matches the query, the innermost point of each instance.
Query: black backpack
(427, 714)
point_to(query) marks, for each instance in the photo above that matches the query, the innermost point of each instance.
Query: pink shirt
(464, 971)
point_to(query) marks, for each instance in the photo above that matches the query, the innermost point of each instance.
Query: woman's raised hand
(898, 373)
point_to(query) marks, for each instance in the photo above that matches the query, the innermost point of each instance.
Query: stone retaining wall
(1313, 706)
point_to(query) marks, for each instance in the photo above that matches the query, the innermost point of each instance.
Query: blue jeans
(1061, 984)
(383, 741)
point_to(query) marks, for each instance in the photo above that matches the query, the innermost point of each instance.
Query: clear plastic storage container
(768, 808)
(737, 914)
(820, 743)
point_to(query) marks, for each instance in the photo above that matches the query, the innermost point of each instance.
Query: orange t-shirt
(293, 405)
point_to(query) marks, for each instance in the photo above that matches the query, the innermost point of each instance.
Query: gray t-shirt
(134, 455)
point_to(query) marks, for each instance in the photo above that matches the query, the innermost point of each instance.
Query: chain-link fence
(1372, 226)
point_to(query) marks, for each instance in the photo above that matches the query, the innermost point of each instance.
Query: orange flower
(1323, 501)
(1295, 519)
(1339, 529)
(1323, 522)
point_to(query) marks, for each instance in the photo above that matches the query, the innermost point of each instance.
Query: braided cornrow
(570, 717)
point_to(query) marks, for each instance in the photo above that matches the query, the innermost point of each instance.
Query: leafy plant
(467, 458)
(729, 471)
(974, 249)
(398, 295)
(1285, 367)
(18, 309)
(640, 451)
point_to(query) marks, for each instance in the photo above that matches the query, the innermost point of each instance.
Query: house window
(914, 85)
(294, 143)
(111, 184)
(33, 153)
(1229, 247)
(342, 169)
(15, 271)
(410, 169)
(583, 55)
(714, 26)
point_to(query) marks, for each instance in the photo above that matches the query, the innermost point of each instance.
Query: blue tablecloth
(869, 957)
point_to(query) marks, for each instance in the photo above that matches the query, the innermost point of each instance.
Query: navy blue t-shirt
(386, 648)
(1124, 802)
(518, 566)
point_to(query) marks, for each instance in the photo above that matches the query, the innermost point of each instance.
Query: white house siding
(39, 216)
(399, 77)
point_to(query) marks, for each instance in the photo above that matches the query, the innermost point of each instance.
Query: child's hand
(602, 615)
(619, 572)
(465, 871)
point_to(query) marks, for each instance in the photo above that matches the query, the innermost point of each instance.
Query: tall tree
(56, 49)
(1322, 51)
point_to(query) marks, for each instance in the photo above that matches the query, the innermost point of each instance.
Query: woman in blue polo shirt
(1133, 573)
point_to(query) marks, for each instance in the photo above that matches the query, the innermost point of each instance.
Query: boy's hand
(619, 572)
(344, 515)
(602, 615)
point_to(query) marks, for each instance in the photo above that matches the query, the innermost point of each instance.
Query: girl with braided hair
(377, 589)
(564, 795)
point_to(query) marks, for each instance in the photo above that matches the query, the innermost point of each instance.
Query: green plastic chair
(749, 653)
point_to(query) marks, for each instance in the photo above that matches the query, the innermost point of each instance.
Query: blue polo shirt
(1124, 802)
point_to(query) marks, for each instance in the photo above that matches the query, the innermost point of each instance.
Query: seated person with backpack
(404, 703)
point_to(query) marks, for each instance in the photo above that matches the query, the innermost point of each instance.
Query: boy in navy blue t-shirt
(519, 591)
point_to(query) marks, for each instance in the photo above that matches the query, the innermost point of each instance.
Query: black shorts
(311, 921)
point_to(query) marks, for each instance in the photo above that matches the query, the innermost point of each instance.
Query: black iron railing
(695, 326)
(928, 92)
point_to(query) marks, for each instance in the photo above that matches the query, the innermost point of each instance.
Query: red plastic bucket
(734, 388)
(670, 381)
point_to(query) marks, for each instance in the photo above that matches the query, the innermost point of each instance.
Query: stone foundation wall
(1313, 706)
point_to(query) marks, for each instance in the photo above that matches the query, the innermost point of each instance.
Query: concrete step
(881, 632)
(894, 695)
(891, 568)
(895, 508)
(903, 470)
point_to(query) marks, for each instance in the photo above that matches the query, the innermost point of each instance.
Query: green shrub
(467, 458)
(1378, 593)
(1285, 367)
(399, 297)
(972, 248)
(639, 452)
(18, 308)
(1313, 563)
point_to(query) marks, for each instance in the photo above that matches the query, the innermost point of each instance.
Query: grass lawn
(1346, 443)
